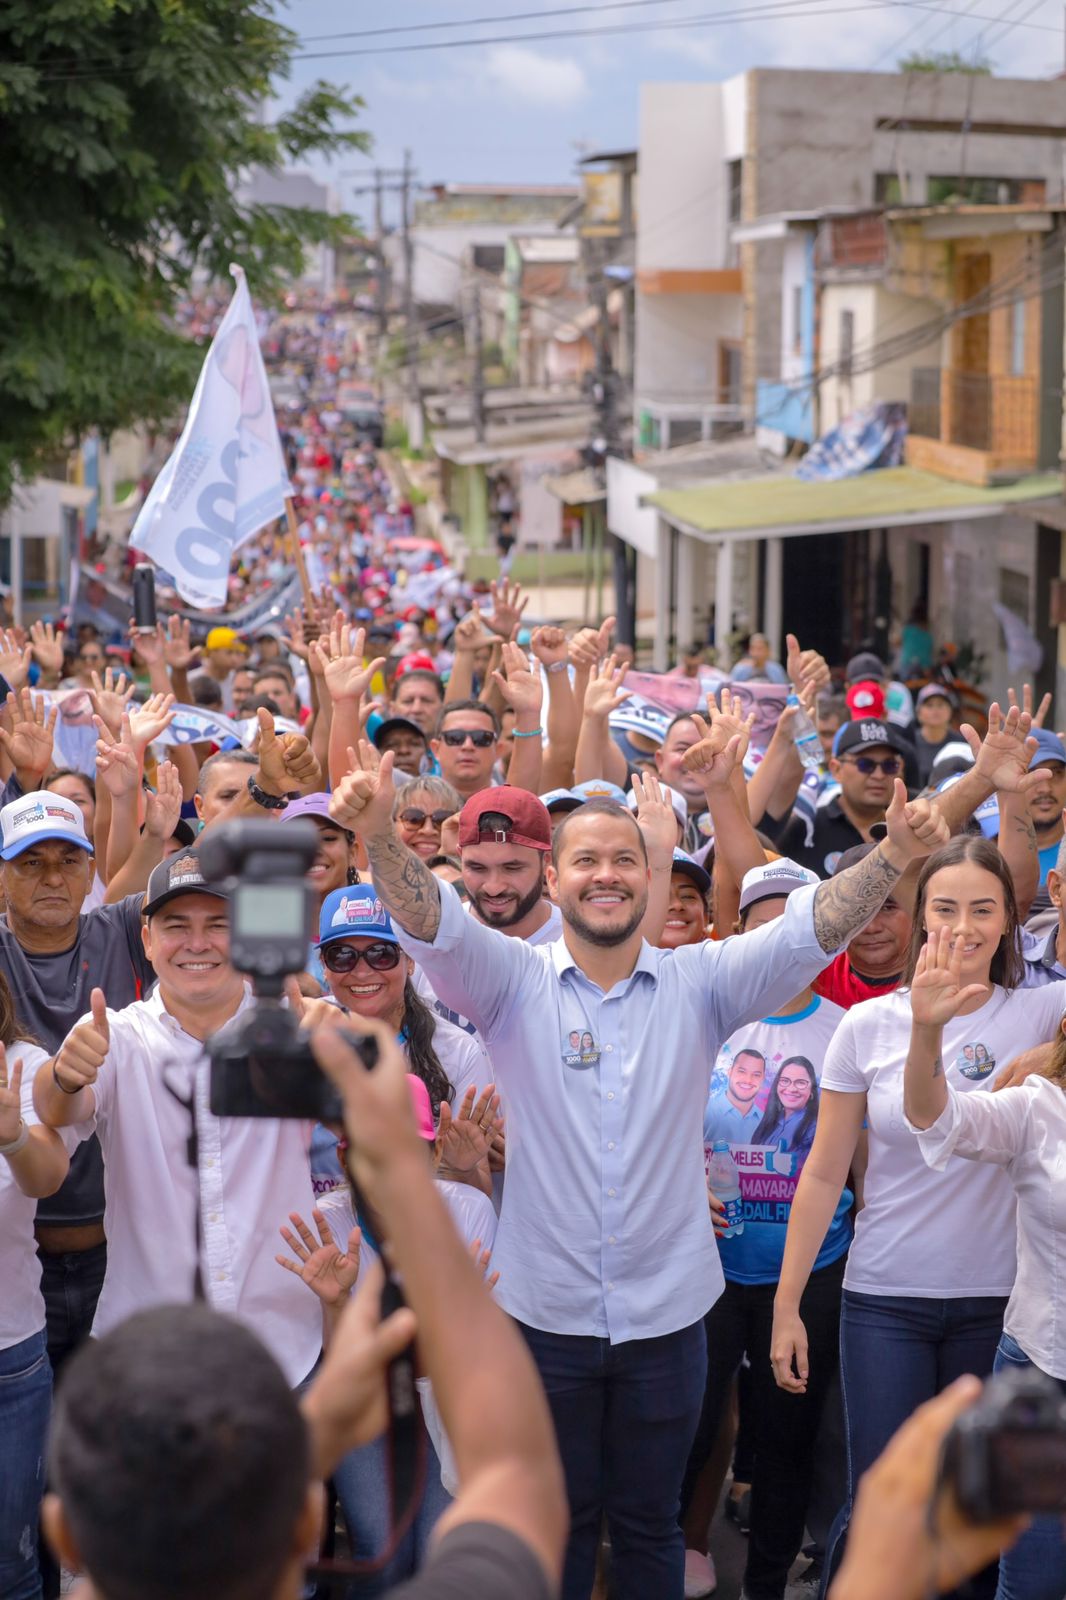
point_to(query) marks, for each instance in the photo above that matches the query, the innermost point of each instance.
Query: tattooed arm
(362, 801)
(410, 891)
(845, 904)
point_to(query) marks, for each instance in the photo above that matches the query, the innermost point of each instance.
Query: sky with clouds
(525, 109)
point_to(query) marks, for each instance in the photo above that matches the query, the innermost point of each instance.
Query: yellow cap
(225, 639)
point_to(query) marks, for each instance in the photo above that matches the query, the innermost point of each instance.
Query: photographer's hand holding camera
(908, 1538)
(508, 1523)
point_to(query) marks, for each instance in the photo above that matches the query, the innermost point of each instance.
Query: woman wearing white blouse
(933, 1259)
(1022, 1130)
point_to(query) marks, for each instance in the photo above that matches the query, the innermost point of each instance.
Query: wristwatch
(271, 802)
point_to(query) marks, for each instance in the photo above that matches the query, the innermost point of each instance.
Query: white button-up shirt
(605, 1228)
(1022, 1130)
(252, 1172)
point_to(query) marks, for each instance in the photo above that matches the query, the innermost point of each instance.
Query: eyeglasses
(480, 738)
(379, 957)
(416, 818)
(891, 766)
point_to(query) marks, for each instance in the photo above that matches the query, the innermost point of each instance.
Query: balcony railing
(975, 410)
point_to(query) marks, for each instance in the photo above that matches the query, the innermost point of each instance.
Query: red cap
(530, 824)
(866, 699)
(416, 662)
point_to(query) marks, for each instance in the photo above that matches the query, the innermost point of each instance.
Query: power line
(710, 20)
(494, 21)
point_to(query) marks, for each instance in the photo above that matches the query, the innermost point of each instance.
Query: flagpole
(298, 555)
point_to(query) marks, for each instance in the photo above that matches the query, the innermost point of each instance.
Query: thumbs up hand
(84, 1050)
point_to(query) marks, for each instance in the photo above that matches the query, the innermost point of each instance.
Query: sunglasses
(480, 738)
(416, 818)
(891, 766)
(379, 957)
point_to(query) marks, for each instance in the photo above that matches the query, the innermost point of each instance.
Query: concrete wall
(813, 140)
(878, 315)
(677, 344)
(684, 188)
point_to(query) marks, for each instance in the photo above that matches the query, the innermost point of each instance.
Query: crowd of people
(714, 1134)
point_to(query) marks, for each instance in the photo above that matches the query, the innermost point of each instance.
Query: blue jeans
(25, 1403)
(362, 1484)
(896, 1352)
(625, 1417)
(1034, 1568)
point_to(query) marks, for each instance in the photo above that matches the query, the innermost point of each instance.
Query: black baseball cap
(865, 665)
(390, 725)
(179, 874)
(866, 733)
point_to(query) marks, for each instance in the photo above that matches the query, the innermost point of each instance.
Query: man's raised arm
(844, 904)
(362, 801)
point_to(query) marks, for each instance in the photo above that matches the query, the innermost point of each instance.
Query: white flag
(226, 476)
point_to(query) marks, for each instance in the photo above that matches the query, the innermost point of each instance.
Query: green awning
(782, 505)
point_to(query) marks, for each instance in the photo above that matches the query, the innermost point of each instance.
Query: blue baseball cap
(562, 800)
(599, 789)
(1049, 747)
(355, 913)
(687, 864)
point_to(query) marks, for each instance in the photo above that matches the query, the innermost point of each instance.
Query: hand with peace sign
(11, 1123)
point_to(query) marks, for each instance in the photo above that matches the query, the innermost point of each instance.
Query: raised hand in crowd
(47, 647)
(1002, 757)
(287, 764)
(806, 667)
(1039, 716)
(363, 799)
(76, 1064)
(15, 658)
(148, 721)
(548, 644)
(326, 1269)
(162, 806)
(339, 656)
(465, 1138)
(118, 760)
(606, 691)
(508, 604)
(110, 696)
(28, 739)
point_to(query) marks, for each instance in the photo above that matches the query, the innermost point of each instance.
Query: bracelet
(534, 733)
(59, 1082)
(271, 802)
(19, 1142)
(558, 666)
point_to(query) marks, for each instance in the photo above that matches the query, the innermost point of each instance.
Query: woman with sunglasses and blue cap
(367, 973)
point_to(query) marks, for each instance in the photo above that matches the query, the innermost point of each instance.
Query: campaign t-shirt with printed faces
(773, 1068)
(947, 1234)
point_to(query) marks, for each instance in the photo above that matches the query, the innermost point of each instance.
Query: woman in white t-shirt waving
(933, 1259)
(1023, 1131)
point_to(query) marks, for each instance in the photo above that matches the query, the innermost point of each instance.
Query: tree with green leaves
(129, 129)
(946, 61)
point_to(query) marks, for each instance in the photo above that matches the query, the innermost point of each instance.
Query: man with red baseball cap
(505, 837)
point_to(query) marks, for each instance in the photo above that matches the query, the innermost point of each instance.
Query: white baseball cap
(675, 797)
(38, 816)
(775, 878)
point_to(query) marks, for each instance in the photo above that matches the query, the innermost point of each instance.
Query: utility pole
(381, 297)
(477, 386)
(605, 381)
(411, 363)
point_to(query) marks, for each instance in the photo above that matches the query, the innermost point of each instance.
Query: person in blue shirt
(735, 1114)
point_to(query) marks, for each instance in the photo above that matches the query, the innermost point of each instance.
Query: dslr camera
(261, 1062)
(1006, 1456)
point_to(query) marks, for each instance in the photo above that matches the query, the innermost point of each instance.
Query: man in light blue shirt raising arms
(605, 1249)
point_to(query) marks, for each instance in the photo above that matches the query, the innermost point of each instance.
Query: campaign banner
(226, 477)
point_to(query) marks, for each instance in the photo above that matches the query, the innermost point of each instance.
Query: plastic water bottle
(723, 1180)
(805, 734)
